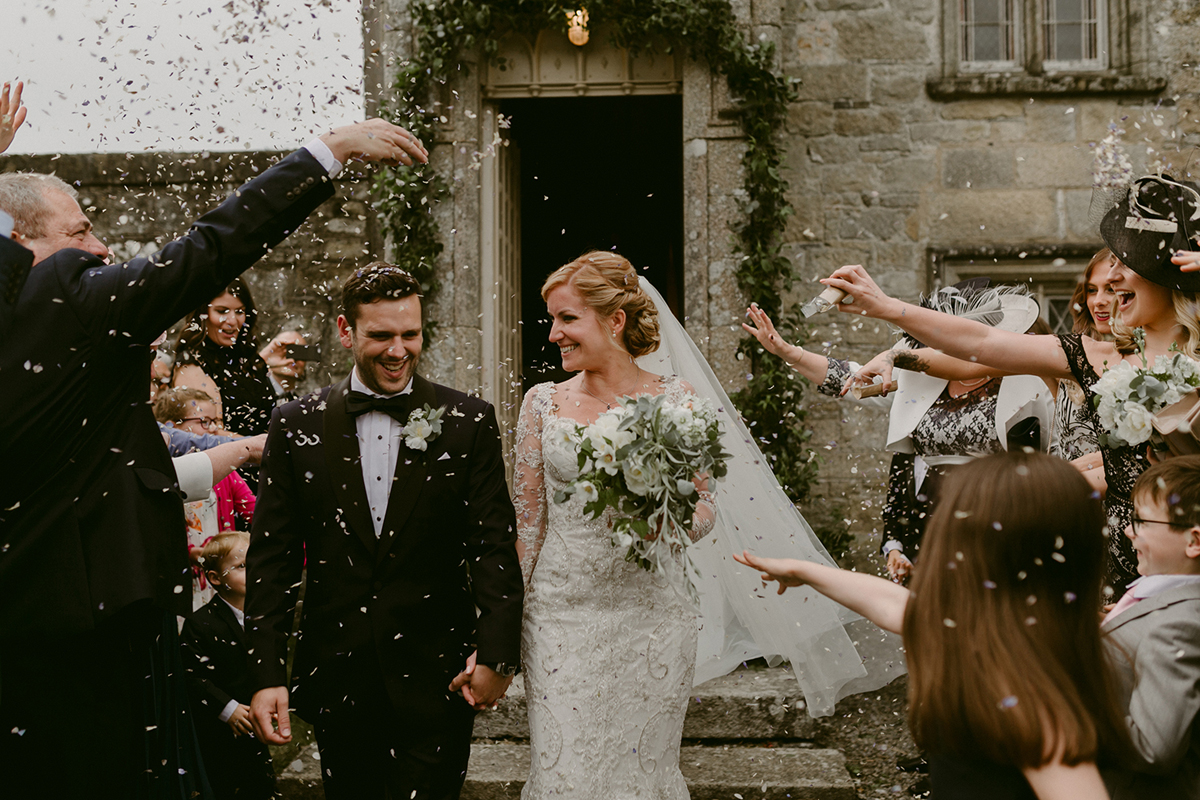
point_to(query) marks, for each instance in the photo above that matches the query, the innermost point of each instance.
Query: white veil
(833, 652)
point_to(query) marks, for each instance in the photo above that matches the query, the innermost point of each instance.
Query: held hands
(376, 140)
(898, 566)
(479, 685)
(12, 114)
(268, 708)
(784, 571)
(240, 721)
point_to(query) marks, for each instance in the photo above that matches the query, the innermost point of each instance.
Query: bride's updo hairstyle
(608, 283)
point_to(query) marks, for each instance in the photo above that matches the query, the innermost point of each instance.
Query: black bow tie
(359, 403)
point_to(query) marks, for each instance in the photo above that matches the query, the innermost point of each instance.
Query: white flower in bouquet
(638, 462)
(1128, 397)
(423, 426)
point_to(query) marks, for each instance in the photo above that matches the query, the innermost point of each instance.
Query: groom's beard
(378, 380)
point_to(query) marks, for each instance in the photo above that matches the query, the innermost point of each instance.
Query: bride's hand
(762, 329)
(865, 298)
(784, 571)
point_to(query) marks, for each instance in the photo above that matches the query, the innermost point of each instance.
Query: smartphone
(302, 352)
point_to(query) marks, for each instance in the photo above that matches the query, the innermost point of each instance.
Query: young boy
(238, 765)
(1156, 626)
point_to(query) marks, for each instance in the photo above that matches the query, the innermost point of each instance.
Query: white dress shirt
(379, 443)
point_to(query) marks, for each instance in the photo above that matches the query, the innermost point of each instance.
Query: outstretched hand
(879, 366)
(864, 297)
(781, 570)
(761, 328)
(376, 140)
(12, 114)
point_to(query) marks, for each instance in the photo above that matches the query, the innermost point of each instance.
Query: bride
(610, 651)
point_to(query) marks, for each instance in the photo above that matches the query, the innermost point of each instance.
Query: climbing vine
(708, 31)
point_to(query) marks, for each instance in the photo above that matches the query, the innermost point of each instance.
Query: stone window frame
(1050, 271)
(1132, 68)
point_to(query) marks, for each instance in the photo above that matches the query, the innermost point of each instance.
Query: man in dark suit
(93, 560)
(407, 529)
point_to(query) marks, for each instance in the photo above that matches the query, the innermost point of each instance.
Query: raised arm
(877, 599)
(810, 365)
(529, 486)
(1017, 353)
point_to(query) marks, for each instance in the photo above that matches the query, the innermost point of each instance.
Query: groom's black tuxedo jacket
(90, 520)
(405, 603)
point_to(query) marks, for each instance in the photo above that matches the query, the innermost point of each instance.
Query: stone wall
(137, 202)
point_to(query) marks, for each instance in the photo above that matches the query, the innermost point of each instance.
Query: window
(1046, 47)
(1051, 274)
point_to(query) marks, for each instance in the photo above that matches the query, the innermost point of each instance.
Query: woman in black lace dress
(1153, 293)
(936, 424)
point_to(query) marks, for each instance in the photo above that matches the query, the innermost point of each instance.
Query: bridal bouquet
(640, 459)
(1127, 398)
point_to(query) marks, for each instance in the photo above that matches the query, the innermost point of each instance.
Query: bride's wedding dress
(611, 652)
(608, 649)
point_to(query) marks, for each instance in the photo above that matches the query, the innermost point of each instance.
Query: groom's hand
(269, 707)
(487, 686)
(462, 681)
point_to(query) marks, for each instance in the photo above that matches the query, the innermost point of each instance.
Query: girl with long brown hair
(1012, 694)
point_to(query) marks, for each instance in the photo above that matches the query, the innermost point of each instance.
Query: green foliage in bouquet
(640, 460)
(709, 32)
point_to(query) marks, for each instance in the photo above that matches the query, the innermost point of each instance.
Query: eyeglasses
(1135, 522)
(212, 423)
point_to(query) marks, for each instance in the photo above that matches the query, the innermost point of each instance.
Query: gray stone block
(983, 109)
(810, 119)
(881, 36)
(844, 81)
(1054, 166)
(1050, 121)
(949, 131)
(994, 217)
(866, 122)
(895, 85)
(977, 168)
(499, 771)
(908, 173)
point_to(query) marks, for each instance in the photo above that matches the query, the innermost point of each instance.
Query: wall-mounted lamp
(577, 30)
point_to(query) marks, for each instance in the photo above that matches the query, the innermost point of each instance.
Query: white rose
(587, 490)
(1135, 426)
(415, 443)
(419, 428)
(640, 477)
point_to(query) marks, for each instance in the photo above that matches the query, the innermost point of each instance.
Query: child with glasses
(1156, 625)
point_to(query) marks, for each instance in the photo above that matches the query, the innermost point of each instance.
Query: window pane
(1068, 40)
(1068, 10)
(987, 11)
(1060, 318)
(987, 43)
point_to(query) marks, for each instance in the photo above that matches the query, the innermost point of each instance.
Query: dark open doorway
(598, 173)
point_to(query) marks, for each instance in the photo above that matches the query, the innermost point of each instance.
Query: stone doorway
(596, 173)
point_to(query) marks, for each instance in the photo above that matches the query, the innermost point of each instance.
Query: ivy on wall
(770, 401)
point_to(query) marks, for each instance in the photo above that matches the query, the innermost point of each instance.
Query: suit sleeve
(136, 301)
(274, 561)
(1166, 694)
(199, 647)
(492, 551)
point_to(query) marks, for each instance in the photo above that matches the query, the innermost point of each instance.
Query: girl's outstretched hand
(1186, 260)
(784, 571)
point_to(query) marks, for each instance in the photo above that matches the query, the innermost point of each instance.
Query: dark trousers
(369, 753)
(100, 713)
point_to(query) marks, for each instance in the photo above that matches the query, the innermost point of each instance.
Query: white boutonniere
(423, 426)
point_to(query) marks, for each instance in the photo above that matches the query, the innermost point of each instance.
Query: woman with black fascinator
(1152, 230)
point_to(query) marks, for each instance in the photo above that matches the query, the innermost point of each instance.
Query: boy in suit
(238, 765)
(1155, 629)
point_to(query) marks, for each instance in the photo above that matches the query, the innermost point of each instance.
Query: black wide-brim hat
(1157, 217)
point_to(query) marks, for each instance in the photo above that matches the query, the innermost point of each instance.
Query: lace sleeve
(705, 517)
(835, 378)
(529, 487)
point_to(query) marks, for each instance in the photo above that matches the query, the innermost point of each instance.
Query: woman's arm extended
(965, 339)
(877, 599)
(810, 365)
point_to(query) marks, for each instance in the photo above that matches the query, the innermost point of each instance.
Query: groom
(408, 538)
